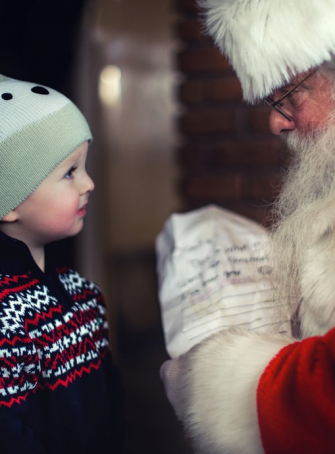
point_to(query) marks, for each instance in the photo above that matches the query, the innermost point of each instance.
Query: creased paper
(213, 270)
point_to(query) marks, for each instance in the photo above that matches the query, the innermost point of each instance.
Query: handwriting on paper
(214, 268)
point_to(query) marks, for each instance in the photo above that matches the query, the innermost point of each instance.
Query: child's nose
(88, 184)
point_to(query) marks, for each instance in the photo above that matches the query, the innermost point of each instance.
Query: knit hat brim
(60, 134)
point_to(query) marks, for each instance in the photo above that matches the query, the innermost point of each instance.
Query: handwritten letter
(213, 271)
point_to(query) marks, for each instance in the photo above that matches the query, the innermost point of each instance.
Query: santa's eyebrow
(289, 86)
(296, 82)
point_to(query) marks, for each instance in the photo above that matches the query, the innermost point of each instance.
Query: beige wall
(132, 156)
(137, 130)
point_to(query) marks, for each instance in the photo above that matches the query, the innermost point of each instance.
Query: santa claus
(239, 391)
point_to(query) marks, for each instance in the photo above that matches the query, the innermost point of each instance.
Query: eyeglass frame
(273, 104)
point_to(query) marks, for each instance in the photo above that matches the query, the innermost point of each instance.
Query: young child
(59, 390)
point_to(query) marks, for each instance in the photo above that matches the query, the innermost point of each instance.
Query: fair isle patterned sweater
(59, 390)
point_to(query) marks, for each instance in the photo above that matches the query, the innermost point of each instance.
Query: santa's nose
(279, 124)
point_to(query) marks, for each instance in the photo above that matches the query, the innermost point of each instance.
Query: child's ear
(10, 217)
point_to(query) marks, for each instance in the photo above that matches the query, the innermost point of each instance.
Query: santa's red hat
(269, 41)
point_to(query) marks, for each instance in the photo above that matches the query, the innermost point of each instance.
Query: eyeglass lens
(277, 105)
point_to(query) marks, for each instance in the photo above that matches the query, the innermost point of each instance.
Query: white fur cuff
(218, 390)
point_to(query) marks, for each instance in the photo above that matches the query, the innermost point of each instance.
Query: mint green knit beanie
(39, 128)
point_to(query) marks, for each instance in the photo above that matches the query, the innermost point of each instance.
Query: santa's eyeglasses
(280, 104)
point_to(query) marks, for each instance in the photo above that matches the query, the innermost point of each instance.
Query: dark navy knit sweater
(59, 390)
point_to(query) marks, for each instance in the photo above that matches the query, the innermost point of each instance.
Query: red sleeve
(296, 398)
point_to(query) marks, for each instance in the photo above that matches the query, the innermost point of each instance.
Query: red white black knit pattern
(48, 341)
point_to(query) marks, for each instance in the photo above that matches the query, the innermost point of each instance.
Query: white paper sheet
(213, 273)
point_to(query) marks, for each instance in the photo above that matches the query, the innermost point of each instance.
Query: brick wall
(227, 155)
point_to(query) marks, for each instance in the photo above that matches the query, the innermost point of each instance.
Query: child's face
(56, 209)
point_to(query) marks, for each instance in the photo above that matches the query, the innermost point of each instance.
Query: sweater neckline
(16, 258)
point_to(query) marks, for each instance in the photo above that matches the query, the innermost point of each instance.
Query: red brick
(254, 154)
(208, 121)
(191, 29)
(227, 89)
(258, 212)
(202, 60)
(219, 89)
(252, 211)
(187, 5)
(241, 174)
(263, 187)
(213, 187)
(233, 186)
(193, 92)
(259, 118)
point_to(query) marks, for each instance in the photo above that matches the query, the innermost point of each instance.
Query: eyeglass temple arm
(292, 89)
(273, 105)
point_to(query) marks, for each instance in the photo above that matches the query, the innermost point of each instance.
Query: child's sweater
(59, 390)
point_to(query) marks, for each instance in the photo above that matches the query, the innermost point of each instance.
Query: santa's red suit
(296, 398)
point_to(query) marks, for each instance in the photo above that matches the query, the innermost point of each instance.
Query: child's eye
(70, 173)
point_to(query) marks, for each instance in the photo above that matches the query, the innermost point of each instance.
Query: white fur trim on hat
(269, 41)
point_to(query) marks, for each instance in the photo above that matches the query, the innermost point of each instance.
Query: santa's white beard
(302, 239)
